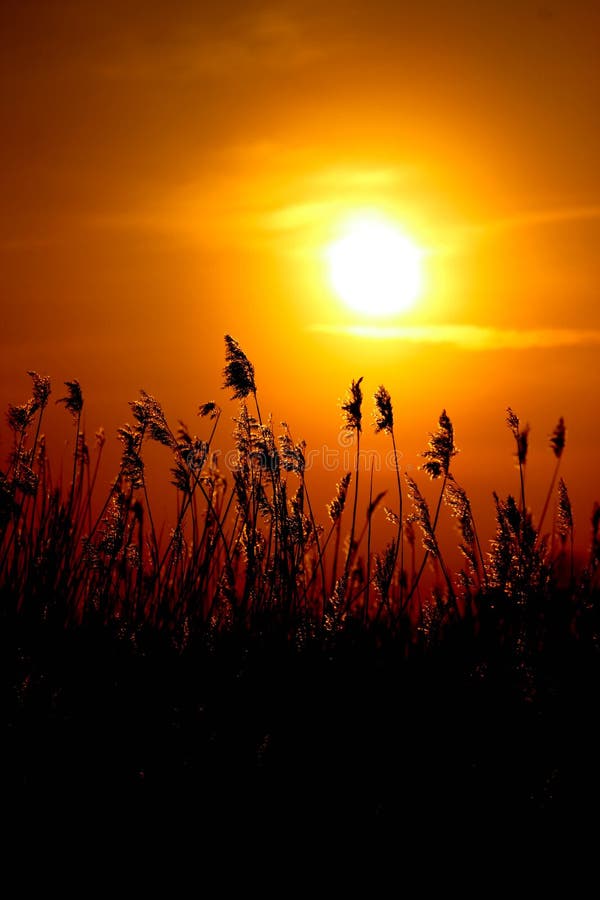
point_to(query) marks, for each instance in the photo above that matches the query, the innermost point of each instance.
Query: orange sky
(170, 171)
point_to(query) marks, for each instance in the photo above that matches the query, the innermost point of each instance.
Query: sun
(374, 268)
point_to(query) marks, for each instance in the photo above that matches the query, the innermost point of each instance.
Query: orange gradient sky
(173, 171)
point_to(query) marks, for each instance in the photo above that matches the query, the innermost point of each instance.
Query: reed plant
(248, 545)
(267, 663)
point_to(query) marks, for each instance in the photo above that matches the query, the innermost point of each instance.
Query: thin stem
(75, 454)
(427, 554)
(400, 540)
(318, 543)
(522, 481)
(354, 509)
(336, 551)
(479, 550)
(369, 548)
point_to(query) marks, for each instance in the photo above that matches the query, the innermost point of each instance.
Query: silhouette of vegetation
(243, 651)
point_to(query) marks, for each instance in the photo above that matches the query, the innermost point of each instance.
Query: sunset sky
(171, 171)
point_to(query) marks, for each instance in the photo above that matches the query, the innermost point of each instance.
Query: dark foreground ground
(252, 730)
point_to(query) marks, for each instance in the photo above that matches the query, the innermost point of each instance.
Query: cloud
(468, 337)
(259, 193)
(540, 217)
(332, 192)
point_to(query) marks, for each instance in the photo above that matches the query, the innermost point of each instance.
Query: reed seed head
(558, 438)
(19, 418)
(564, 518)
(383, 414)
(336, 507)
(521, 435)
(352, 408)
(423, 517)
(239, 371)
(441, 448)
(74, 399)
(209, 409)
(41, 388)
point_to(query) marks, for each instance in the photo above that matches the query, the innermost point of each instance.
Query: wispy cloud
(334, 191)
(260, 193)
(269, 192)
(468, 337)
(539, 217)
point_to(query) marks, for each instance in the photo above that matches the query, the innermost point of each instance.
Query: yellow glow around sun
(374, 268)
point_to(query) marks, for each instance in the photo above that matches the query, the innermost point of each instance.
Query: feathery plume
(512, 420)
(265, 450)
(521, 435)
(334, 612)
(558, 438)
(82, 451)
(239, 371)
(564, 518)
(423, 517)
(25, 478)
(20, 417)
(292, 455)
(384, 569)
(197, 454)
(181, 478)
(41, 389)
(523, 445)
(352, 408)
(514, 538)
(459, 503)
(149, 413)
(209, 409)
(113, 525)
(244, 433)
(336, 507)
(441, 449)
(384, 415)
(132, 465)
(74, 399)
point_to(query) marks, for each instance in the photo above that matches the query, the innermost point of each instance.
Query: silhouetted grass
(254, 659)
